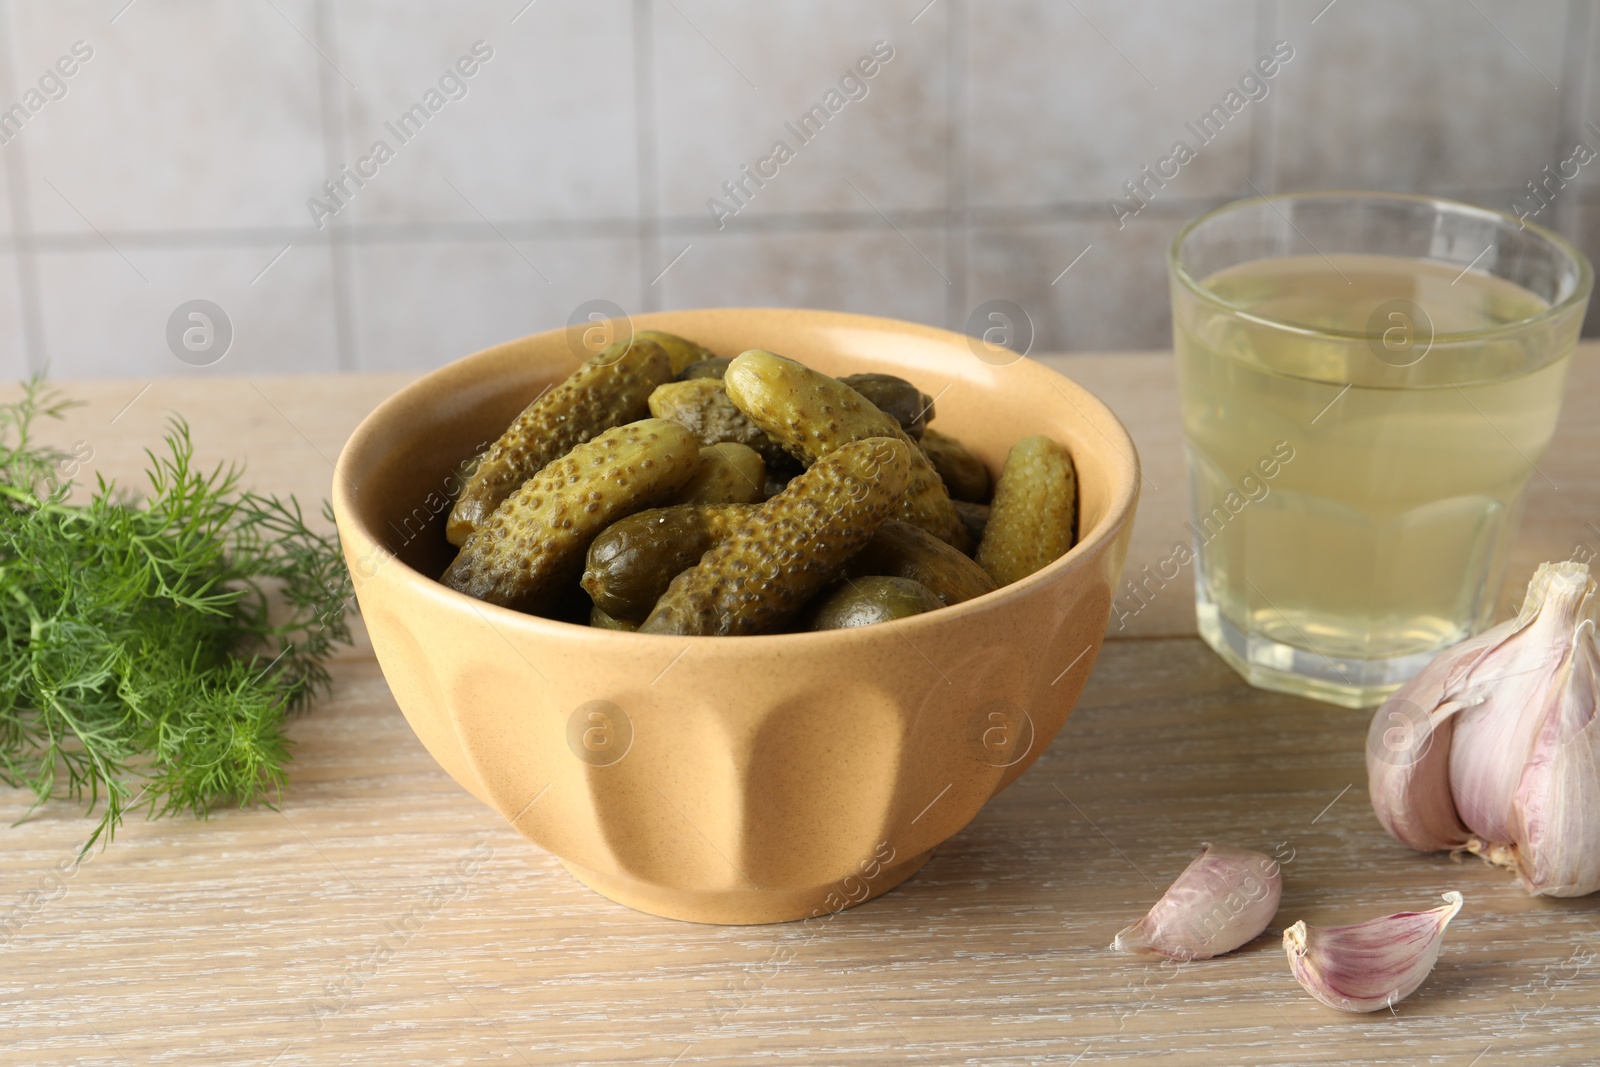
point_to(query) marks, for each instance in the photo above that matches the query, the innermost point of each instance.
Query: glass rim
(1580, 292)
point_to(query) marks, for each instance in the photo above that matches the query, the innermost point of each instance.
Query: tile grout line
(956, 234)
(26, 261)
(331, 105)
(644, 98)
(272, 240)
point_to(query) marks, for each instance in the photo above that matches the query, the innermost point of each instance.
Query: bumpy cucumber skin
(900, 550)
(521, 556)
(633, 561)
(963, 473)
(702, 405)
(765, 571)
(1032, 519)
(610, 389)
(812, 415)
(896, 398)
(727, 474)
(869, 600)
(680, 350)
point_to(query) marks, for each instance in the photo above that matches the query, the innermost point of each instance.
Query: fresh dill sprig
(153, 649)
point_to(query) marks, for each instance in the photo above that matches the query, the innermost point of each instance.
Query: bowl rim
(1125, 480)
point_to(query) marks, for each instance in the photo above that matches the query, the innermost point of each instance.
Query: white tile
(1585, 128)
(5, 193)
(1431, 95)
(419, 306)
(545, 129)
(1067, 101)
(1113, 298)
(101, 319)
(13, 350)
(876, 272)
(730, 77)
(187, 116)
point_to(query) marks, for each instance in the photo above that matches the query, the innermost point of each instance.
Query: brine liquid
(1384, 538)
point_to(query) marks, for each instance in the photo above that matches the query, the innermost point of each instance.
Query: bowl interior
(397, 475)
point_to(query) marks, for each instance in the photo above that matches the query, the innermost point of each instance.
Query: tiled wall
(579, 161)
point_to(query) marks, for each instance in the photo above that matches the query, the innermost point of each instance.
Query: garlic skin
(1408, 754)
(1494, 747)
(1556, 809)
(1517, 685)
(1223, 899)
(1369, 965)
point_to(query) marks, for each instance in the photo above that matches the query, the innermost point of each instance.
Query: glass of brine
(1368, 383)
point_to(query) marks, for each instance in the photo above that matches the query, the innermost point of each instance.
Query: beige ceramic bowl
(733, 779)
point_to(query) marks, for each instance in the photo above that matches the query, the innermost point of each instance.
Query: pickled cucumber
(900, 550)
(601, 621)
(611, 388)
(633, 561)
(812, 415)
(871, 599)
(715, 367)
(1035, 506)
(683, 352)
(895, 397)
(702, 405)
(777, 558)
(963, 473)
(975, 517)
(535, 540)
(727, 474)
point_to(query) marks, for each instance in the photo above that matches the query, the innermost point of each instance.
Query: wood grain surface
(383, 916)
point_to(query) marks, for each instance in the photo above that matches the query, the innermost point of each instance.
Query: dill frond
(153, 649)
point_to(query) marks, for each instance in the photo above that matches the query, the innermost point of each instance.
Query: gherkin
(727, 474)
(811, 415)
(963, 473)
(900, 550)
(1035, 507)
(869, 600)
(895, 397)
(610, 389)
(523, 554)
(759, 576)
(601, 621)
(633, 561)
(683, 352)
(703, 406)
(714, 367)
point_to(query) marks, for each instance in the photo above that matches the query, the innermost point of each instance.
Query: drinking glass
(1368, 381)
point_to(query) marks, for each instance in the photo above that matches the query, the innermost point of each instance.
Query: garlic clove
(1513, 688)
(1556, 827)
(1409, 746)
(1408, 755)
(1369, 965)
(1223, 899)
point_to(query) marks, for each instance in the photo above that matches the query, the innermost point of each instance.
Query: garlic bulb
(1369, 965)
(1223, 899)
(1494, 747)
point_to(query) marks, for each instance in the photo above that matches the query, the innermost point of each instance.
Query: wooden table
(342, 928)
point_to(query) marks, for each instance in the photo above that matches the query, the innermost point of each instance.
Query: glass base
(1269, 664)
